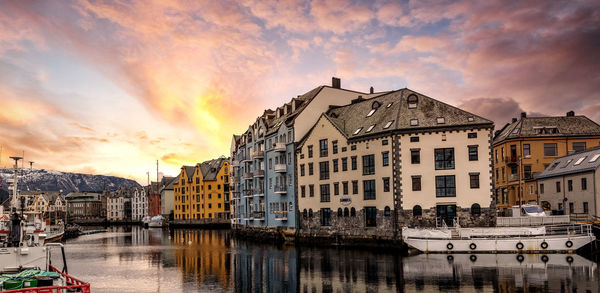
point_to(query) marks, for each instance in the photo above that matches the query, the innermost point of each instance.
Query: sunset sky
(109, 87)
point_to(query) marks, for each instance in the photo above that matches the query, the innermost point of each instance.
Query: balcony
(247, 176)
(235, 163)
(259, 173)
(258, 155)
(281, 216)
(246, 159)
(280, 168)
(259, 215)
(235, 180)
(259, 191)
(280, 189)
(512, 160)
(235, 195)
(513, 177)
(279, 146)
(248, 193)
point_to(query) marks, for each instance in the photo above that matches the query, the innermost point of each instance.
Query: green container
(29, 283)
(12, 284)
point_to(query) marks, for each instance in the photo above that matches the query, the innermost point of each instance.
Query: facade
(397, 159)
(167, 197)
(154, 200)
(263, 160)
(84, 205)
(202, 191)
(530, 144)
(569, 185)
(139, 203)
(119, 206)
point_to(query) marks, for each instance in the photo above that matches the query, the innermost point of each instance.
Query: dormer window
(370, 128)
(413, 100)
(375, 105)
(357, 131)
(595, 158)
(441, 120)
(470, 119)
(546, 130)
(579, 161)
(387, 125)
(414, 122)
(567, 164)
(389, 105)
(371, 113)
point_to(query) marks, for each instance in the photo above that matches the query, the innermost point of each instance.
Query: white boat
(157, 222)
(55, 233)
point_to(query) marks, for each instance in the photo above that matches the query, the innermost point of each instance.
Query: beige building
(400, 153)
(569, 185)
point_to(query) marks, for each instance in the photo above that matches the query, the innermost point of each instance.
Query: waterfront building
(167, 197)
(154, 200)
(263, 181)
(139, 203)
(119, 205)
(202, 191)
(528, 145)
(570, 185)
(84, 205)
(397, 159)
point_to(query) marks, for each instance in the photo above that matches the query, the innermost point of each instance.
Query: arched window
(417, 211)
(413, 100)
(346, 212)
(310, 213)
(387, 211)
(475, 209)
(304, 213)
(340, 212)
(353, 212)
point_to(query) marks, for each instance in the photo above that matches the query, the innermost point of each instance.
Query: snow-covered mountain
(49, 180)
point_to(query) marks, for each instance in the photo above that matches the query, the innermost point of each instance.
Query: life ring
(544, 258)
(569, 244)
(570, 259)
(450, 258)
(544, 245)
(520, 245)
(473, 258)
(473, 246)
(520, 258)
(449, 246)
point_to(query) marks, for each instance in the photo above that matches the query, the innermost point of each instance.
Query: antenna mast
(15, 180)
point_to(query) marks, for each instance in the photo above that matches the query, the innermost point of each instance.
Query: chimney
(523, 114)
(371, 90)
(514, 120)
(336, 83)
(570, 114)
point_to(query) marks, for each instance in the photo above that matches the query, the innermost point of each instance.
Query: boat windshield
(533, 209)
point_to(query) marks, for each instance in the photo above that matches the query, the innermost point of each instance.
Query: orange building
(528, 145)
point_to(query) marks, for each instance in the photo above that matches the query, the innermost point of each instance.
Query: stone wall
(347, 226)
(487, 218)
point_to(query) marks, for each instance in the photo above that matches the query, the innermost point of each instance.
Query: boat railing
(570, 229)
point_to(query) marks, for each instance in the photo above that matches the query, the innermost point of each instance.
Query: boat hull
(11, 258)
(54, 238)
(548, 244)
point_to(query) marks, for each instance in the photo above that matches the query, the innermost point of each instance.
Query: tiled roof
(575, 163)
(168, 182)
(275, 123)
(533, 127)
(189, 171)
(211, 168)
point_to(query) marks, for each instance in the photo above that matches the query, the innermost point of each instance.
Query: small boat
(157, 222)
(55, 233)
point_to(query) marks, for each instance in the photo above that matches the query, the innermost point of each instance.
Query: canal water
(133, 259)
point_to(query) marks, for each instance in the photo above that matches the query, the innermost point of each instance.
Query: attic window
(371, 113)
(553, 166)
(441, 120)
(470, 119)
(370, 128)
(387, 125)
(412, 101)
(389, 105)
(595, 158)
(579, 161)
(375, 105)
(567, 164)
(546, 130)
(333, 115)
(414, 122)
(357, 131)
(516, 130)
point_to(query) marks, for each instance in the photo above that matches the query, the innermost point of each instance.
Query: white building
(118, 206)
(139, 203)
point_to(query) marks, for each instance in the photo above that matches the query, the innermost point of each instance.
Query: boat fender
(449, 246)
(473, 246)
(520, 258)
(473, 258)
(545, 258)
(569, 243)
(520, 245)
(544, 245)
(569, 259)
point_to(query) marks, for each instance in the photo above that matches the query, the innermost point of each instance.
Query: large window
(526, 150)
(324, 170)
(301, 168)
(444, 159)
(386, 184)
(310, 151)
(325, 193)
(473, 153)
(334, 146)
(369, 189)
(335, 165)
(415, 156)
(325, 217)
(323, 148)
(354, 164)
(345, 187)
(385, 158)
(416, 183)
(355, 187)
(371, 216)
(310, 169)
(527, 171)
(445, 186)
(474, 180)
(579, 146)
(550, 150)
(368, 164)
(583, 183)
(344, 164)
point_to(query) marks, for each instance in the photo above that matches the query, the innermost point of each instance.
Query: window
(579, 161)
(340, 212)
(335, 165)
(550, 150)
(386, 184)
(417, 211)
(323, 148)
(526, 150)
(415, 156)
(472, 135)
(371, 112)
(345, 187)
(388, 124)
(346, 212)
(412, 101)
(310, 169)
(586, 208)
(368, 164)
(301, 168)
(475, 210)
(370, 216)
(311, 190)
(541, 188)
(310, 151)
(557, 186)
(570, 185)
(583, 183)
(344, 149)
(325, 193)
(344, 164)
(353, 212)
(416, 183)
(310, 213)
(336, 188)
(579, 146)
(353, 147)
(369, 189)
(354, 166)
(357, 131)
(414, 139)
(384, 142)
(385, 158)
(325, 217)
(414, 122)
(355, 187)
(571, 208)
(474, 180)
(370, 128)
(303, 191)
(444, 159)
(334, 146)
(445, 186)
(324, 170)
(441, 120)
(473, 153)
(595, 158)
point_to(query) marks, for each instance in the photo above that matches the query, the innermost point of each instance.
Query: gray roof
(567, 164)
(565, 125)
(211, 168)
(393, 106)
(189, 171)
(167, 183)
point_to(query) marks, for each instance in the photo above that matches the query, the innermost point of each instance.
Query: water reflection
(132, 259)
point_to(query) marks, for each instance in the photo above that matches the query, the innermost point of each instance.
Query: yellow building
(528, 145)
(202, 191)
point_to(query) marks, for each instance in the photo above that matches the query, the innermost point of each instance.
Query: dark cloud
(499, 110)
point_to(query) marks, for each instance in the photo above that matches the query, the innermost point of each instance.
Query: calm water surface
(132, 259)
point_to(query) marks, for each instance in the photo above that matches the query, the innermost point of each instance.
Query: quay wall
(201, 223)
